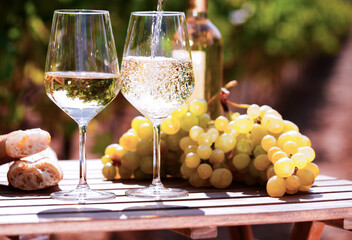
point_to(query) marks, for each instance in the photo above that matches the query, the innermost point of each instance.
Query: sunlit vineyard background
(272, 49)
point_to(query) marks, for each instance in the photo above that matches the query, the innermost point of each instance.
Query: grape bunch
(271, 151)
(258, 147)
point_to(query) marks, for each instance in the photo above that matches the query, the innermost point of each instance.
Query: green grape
(217, 156)
(115, 151)
(306, 176)
(196, 181)
(290, 148)
(185, 142)
(235, 115)
(146, 165)
(145, 131)
(106, 159)
(253, 111)
(109, 171)
(198, 107)
(261, 162)
(124, 172)
(289, 136)
(273, 112)
(189, 121)
(226, 142)
(204, 120)
(172, 142)
(194, 132)
(204, 151)
(170, 126)
(271, 152)
(230, 128)
(186, 171)
(191, 148)
(290, 126)
(273, 123)
(131, 130)
(257, 133)
(242, 136)
(263, 109)
(308, 152)
(180, 112)
(220, 123)
(259, 150)
(252, 170)
(144, 148)
(214, 134)
(244, 145)
(204, 171)
(305, 142)
(221, 178)
(241, 161)
(292, 183)
(137, 121)
(276, 186)
(192, 160)
(300, 160)
(284, 167)
(277, 156)
(204, 139)
(313, 168)
(243, 124)
(303, 188)
(268, 142)
(270, 172)
(130, 161)
(129, 141)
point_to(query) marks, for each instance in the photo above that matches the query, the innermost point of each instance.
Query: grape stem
(229, 85)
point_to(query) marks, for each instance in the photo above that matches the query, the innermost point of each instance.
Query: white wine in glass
(157, 78)
(81, 78)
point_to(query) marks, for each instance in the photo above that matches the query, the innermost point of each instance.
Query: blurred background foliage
(261, 38)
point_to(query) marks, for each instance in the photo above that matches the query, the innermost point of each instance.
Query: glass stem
(82, 157)
(156, 156)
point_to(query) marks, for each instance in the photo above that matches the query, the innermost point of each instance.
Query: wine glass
(157, 78)
(81, 78)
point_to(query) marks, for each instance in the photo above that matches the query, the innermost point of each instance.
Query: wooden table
(198, 215)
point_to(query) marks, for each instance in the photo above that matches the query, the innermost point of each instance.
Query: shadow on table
(88, 212)
(9, 191)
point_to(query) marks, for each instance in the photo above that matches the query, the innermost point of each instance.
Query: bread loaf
(36, 172)
(19, 144)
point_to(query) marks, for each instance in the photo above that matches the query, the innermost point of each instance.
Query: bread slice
(36, 172)
(19, 144)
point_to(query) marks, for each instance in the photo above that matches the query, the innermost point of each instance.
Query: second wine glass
(157, 78)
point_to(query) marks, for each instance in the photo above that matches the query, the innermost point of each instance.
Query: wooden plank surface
(35, 212)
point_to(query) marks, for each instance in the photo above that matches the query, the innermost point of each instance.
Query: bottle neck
(197, 8)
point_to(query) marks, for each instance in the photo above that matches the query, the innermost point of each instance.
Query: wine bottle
(206, 48)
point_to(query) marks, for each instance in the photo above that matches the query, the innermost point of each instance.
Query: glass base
(157, 192)
(82, 194)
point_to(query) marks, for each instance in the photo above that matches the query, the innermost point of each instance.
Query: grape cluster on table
(258, 147)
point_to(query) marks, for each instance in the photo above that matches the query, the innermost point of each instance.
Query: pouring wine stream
(156, 29)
